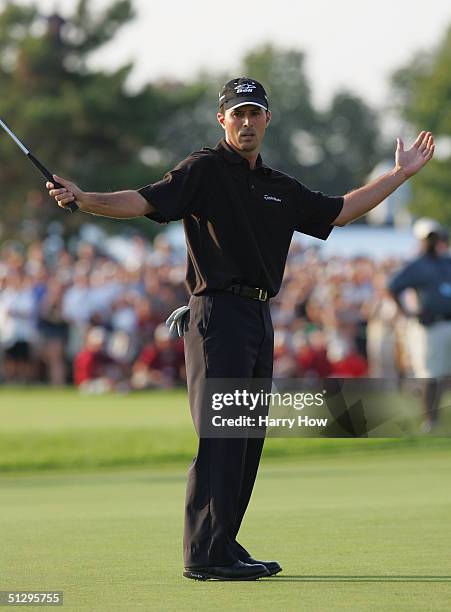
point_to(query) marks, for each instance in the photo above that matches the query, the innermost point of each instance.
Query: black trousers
(227, 336)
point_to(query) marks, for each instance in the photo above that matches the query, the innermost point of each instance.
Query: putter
(72, 206)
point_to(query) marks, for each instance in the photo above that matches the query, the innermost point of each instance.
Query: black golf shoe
(272, 566)
(236, 571)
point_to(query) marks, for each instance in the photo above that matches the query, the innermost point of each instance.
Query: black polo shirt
(238, 222)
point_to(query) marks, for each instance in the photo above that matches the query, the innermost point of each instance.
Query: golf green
(361, 532)
(59, 429)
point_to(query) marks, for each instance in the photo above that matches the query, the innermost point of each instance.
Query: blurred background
(112, 94)
(95, 430)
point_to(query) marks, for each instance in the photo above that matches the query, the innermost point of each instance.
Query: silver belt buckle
(262, 295)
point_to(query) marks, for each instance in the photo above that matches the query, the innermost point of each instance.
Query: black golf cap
(242, 90)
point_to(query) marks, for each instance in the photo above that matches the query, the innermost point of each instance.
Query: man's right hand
(67, 194)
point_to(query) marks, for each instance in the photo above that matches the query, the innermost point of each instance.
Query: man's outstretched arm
(118, 205)
(407, 163)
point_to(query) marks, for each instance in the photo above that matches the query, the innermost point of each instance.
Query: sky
(352, 44)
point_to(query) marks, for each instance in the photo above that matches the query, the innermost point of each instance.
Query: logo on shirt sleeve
(272, 198)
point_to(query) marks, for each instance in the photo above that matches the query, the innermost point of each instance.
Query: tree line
(87, 125)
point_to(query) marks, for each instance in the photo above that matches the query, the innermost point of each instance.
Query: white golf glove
(176, 321)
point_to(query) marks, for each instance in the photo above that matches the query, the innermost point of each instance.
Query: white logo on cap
(245, 88)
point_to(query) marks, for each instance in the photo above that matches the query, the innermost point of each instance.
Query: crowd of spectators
(96, 320)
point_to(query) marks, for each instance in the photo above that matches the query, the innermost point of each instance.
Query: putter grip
(72, 206)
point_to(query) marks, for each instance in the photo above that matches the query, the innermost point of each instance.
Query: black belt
(255, 293)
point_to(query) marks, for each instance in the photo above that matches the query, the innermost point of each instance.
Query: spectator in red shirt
(94, 370)
(345, 359)
(312, 356)
(161, 364)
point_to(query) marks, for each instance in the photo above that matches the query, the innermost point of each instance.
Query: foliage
(82, 123)
(86, 124)
(333, 150)
(423, 93)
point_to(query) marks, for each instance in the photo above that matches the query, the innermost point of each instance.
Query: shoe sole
(274, 572)
(193, 575)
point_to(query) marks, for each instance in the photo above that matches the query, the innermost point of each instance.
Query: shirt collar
(233, 157)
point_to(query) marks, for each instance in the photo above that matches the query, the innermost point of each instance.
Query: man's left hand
(412, 160)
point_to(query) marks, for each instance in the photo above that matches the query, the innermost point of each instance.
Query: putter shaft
(73, 206)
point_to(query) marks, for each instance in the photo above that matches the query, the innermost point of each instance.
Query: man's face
(245, 127)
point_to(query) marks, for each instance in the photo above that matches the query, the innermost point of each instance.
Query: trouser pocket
(201, 308)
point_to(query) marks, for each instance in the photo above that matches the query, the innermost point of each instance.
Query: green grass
(42, 429)
(353, 533)
(357, 524)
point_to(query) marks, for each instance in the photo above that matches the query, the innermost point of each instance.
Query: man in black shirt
(239, 216)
